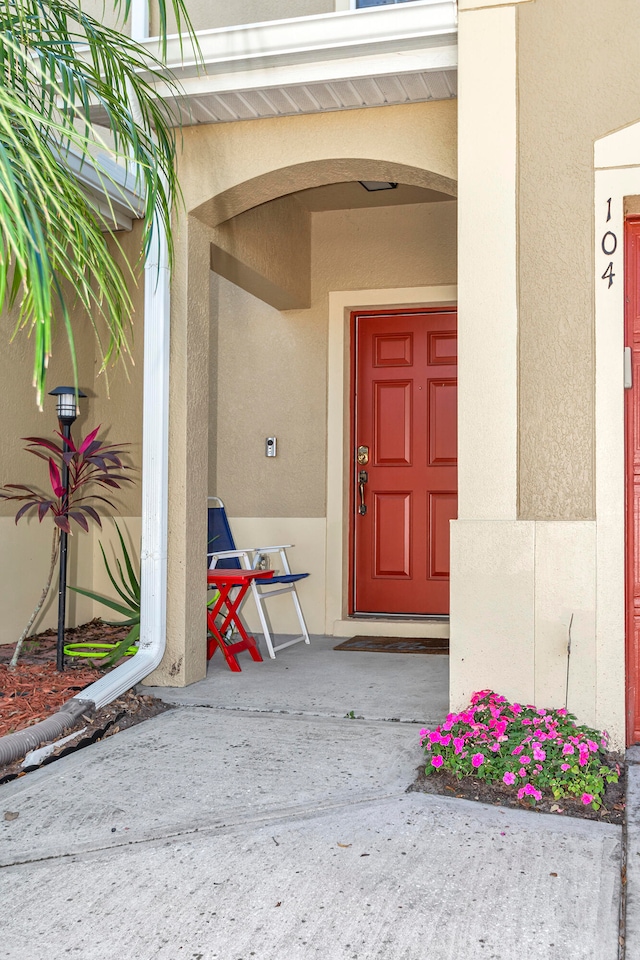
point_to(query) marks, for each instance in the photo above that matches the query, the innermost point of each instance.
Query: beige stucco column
(185, 658)
(491, 555)
(524, 585)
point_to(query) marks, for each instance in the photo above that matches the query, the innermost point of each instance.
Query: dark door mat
(396, 645)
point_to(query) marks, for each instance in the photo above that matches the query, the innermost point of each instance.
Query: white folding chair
(226, 554)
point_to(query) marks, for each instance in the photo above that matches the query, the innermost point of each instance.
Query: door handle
(363, 477)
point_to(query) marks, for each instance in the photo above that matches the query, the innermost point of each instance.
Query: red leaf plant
(92, 463)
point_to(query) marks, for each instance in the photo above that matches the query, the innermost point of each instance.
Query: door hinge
(628, 369)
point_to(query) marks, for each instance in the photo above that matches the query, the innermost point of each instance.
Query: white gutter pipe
(155, 457)
(155, 471)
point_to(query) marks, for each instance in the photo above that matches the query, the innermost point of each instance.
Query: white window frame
(353, 4)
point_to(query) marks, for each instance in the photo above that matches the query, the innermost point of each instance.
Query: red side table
(226, 580)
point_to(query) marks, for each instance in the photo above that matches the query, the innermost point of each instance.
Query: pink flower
(517, 750)
(562, 712)
(495, 747)
(531, 791)
(524, 760)
(522, 772)
(542, 712)
(539, 754)
(565, 766)
(434, 736)
(423, 735)
(592, 746)
(520, 793)
(587, 798)
(437, 761)
(477, 759)
(509, 778)
(445, 741)
(526, 722)
(458, 743)
(568, 748)
(516, 708)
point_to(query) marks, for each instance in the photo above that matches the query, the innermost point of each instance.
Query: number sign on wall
(609, 244)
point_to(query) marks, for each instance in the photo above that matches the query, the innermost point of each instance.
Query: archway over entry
(235, 218)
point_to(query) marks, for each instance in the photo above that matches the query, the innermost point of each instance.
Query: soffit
(353, 196)
(404, 53)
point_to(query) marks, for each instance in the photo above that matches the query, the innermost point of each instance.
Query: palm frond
(57, 64)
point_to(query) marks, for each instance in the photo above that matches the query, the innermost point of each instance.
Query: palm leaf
(57, 63)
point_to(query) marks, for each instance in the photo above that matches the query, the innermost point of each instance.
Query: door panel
(392, 424)
(443, 426)
(405, 413)
(392, 523)
(443, 507)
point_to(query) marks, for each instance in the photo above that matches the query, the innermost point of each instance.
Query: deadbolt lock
(363, 455)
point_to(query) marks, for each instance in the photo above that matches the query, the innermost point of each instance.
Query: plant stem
(25, 633)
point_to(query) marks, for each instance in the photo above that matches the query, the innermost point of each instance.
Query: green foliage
(126, 583)
(91, 463)
(529, 749)
(58, 67)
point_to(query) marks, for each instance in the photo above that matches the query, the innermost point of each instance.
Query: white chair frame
(250, 558)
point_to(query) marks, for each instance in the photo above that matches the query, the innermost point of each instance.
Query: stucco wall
(105, 12)
(24, 557)
(272, 365)
(576, 83)
(266, 251)
(223, 173)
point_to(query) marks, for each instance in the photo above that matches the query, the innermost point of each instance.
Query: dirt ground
(35, 690)
(445, 784)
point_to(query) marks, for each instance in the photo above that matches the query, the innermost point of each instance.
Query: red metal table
(226, 580)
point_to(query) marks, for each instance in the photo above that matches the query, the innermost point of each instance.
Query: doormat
(396, 645)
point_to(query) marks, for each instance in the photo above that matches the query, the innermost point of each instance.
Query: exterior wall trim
(617, 175)
(341, 304)
(350, 32)
(261, 70)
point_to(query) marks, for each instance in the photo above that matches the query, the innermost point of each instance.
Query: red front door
(632, 416)
(405, 440)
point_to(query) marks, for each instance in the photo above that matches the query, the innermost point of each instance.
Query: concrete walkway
(257, 820)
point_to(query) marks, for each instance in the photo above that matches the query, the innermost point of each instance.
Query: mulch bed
(444, 783)
(35, 690)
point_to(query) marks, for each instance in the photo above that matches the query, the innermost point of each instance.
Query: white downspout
(155, 458)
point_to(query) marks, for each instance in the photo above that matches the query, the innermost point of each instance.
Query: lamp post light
(67, 410)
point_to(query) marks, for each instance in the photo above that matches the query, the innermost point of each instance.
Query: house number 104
(609, 245)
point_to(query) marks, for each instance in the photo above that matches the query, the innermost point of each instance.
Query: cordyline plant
(528, 749)
(92, 463)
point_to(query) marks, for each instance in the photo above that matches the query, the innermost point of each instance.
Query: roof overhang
(110, 188)
(401, 53)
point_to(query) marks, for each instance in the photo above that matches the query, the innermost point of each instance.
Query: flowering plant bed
(525, 754)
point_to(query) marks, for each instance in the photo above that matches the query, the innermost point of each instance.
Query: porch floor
(316, 680)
